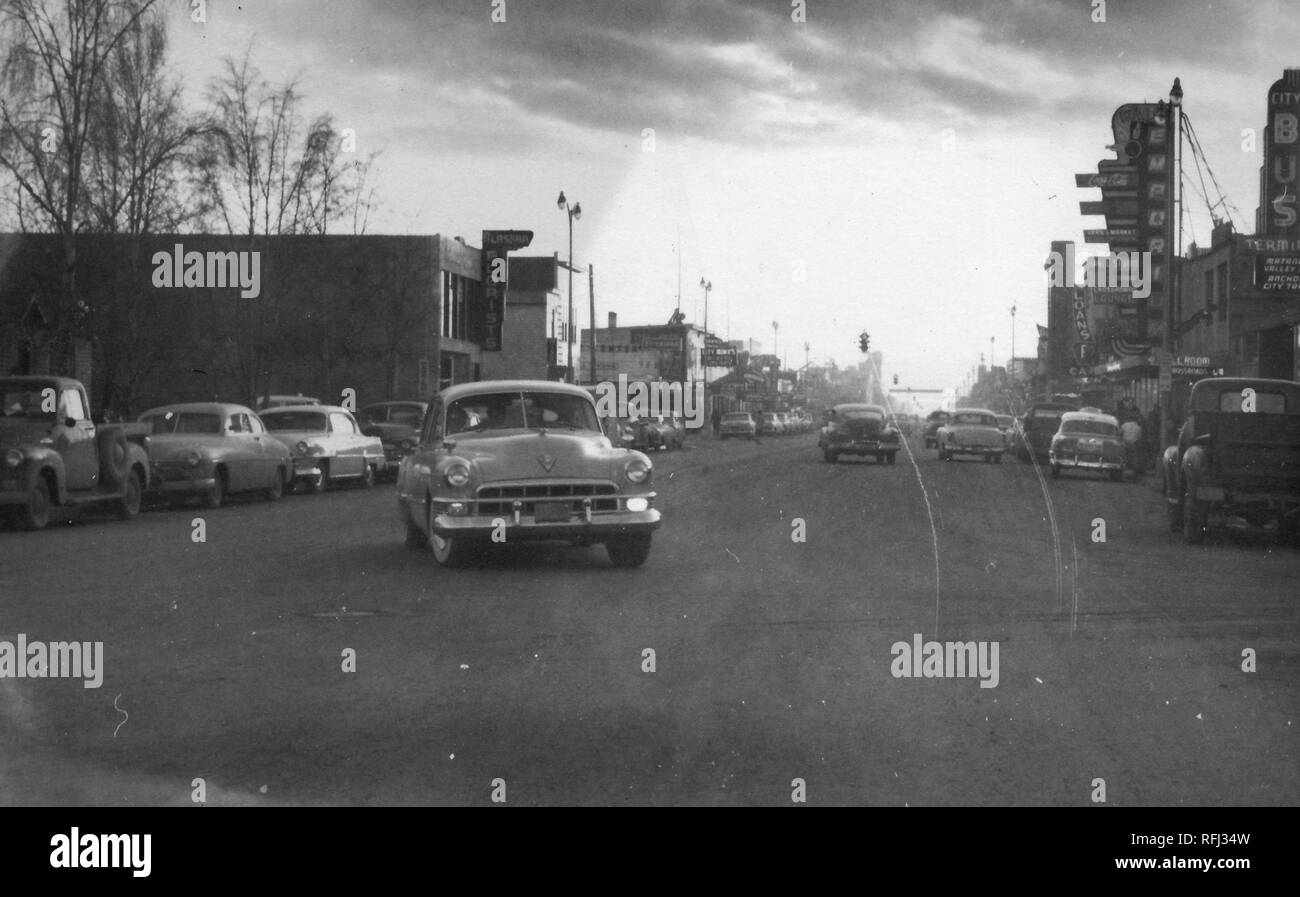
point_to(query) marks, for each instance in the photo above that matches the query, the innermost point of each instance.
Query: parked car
(859, 429)
(738, 423)
(971, 431)
(56, 456)
(279, 401)
(213, 450)
(1007, 424)
(397, 424)
(768, 425)
(526, 459)
(1238, 456)
(933, 422)
(327, 445)
(1088, 441)
(1037, 428)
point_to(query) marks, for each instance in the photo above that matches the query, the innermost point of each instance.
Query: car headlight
(456, 474)
(637, 471)
(13, 458)
(192, 459)
(302, 448)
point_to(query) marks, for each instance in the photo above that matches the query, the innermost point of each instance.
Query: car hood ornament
(547, 462)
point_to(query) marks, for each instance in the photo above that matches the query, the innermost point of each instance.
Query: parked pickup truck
(1238, 456)
(53, 454)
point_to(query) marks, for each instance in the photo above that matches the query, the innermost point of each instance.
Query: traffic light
(864, 341)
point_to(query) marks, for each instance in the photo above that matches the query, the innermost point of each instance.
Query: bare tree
(56, 60)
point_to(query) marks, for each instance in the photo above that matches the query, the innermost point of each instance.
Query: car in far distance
(1088, 441)
(281, 401)
(1007, 424)
(859, 429)
(212, 450)
(971, 431)
(397, 424)
(769, 424)
(933, 422)
(327, 445)
(738, 423)
(1037, 428)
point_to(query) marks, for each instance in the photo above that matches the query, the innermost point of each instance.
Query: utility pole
(591, 291)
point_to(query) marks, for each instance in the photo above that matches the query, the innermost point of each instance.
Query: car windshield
(860, 414)
(311, 421)
(183, 422)
(24, 402)
(734, 417)
(1088, 428)
(521, 410)
(979, 420)
(407, 415)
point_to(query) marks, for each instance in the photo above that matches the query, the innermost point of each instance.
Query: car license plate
(551, 512)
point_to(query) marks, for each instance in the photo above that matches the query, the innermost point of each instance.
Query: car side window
(341, 424)
(71, 406)
(250, 423)
(233, 425)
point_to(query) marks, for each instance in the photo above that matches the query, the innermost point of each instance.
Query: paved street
(1118, 660)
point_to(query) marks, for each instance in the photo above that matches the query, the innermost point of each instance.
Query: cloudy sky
(898, 166)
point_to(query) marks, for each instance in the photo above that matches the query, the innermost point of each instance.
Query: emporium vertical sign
(495, 271)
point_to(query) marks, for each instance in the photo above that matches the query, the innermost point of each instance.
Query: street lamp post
(574, 212)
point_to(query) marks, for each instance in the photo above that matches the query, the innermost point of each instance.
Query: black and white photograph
(650, 403)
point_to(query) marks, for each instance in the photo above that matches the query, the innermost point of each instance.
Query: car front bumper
(863, 447)
(580, 524)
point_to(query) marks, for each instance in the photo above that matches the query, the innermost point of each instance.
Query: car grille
(501, 499)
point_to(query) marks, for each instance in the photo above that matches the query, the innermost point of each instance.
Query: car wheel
(415, 537)
(944, 456)
(829, 456)
(319, 483)
(128, 506)
(450, 551)
(988, 459)
(35, 514)
(1116, 476)
(368, 478)
(997, 459)
(628, 551)
(892, 456)
(1056, 471)
(276, 489)
(216, 496)
(1195, 515)
(1174, 515)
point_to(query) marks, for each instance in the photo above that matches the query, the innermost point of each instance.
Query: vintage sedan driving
(933, 422)
(397, 424)
(853, 429)
(971, 431)
(1087, 441)
(327, 445)
(505, 461)
(213, 449)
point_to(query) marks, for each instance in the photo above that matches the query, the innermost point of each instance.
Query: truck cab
(53, 454)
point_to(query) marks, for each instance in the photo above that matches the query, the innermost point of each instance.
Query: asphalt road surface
(223, 660)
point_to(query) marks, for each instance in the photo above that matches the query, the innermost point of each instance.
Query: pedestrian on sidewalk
(1131, 432)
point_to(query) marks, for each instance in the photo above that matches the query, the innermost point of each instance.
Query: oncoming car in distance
(327, 445)
(853, 429)
(506, 461)
(933, 422)
(213, 449)
(1087, 441)
(971, 431)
